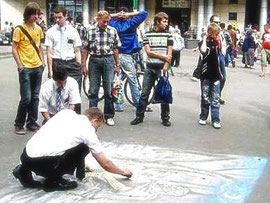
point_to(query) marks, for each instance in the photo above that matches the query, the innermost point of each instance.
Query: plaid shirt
(82, 32)
(102, 42)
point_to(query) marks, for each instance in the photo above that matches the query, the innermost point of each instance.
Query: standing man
(265, 49)
(60, 147)
(222, 47)
(126, 25)
(158, 46)
(63, 48)
(58, 93)
(30, 64)
(102, 46)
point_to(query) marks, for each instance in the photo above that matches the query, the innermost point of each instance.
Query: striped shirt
(102, 42)
(158, 42)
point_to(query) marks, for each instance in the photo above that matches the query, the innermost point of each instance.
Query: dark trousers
(175, 58)
(74, 70)
(150, 76)
(30, 82)
(54, 167)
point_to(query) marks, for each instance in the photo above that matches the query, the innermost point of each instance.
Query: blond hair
(103, 13)
(213, 27)
(94, 113)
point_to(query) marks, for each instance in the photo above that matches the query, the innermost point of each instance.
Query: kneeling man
(60, 92)
(59, 147)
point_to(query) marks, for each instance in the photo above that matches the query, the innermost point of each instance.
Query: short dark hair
(212, 18)
(229, 27)
(159, 16)
(60, 9)
(30, 9)
(124, 9)
(59, 73)
(222, 25)
(94, 113)
(79, 19)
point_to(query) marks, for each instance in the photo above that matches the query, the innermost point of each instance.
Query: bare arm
(49, 61)
(46, 115)
(16, 55)
(71, 106)
(109, 166)
(203, 47)
(166, 64)
(78, 55)
(116, 59)
(41, 55)
(84, 59)
(152, 54)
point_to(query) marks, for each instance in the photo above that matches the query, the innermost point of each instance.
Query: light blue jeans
(210, 94)
(128, 67)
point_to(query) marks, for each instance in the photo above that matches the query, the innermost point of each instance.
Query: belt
(100, 56)
(68, 60)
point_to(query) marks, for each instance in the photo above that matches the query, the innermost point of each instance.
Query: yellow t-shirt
(26, 51)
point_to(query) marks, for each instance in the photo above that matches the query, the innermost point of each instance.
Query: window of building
(233, 2)
(232, 16)
(113, 6)
(74, 8)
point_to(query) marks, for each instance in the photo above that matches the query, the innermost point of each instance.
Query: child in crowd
(210, 76)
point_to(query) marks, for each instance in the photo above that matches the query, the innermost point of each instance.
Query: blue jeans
(30, 82)
(102, 67)
(210, 97)
(222, 69)
(128, 67)
(229, 57)
(150, 76)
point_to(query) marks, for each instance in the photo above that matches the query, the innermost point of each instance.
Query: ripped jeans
(210, 94)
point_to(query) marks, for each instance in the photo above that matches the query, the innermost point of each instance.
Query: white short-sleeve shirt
(64, 131)
(71, 39)
(48, 91)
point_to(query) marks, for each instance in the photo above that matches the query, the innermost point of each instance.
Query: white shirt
(71, 40)
(64, 131)
(47, 96)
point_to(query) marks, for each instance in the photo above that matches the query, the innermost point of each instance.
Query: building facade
(187, 14)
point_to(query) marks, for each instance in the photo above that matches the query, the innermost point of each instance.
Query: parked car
(4, 40)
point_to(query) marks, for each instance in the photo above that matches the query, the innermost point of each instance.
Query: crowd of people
(108, 46)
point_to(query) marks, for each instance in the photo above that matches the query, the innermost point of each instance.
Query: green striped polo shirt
(158, 42)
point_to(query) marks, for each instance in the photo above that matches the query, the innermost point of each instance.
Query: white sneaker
(217, 125)
(110, 122)
(194, 79)
(202, 122)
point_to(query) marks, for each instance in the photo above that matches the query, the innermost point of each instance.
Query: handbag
(117, 90)
(30, 39)
(163, 91)
(198, 70)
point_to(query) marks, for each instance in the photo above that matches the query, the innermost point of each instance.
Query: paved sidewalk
(5, 51)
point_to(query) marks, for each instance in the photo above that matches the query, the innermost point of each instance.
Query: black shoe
(80, 173)
(233, 64)
(166, 123)
(136, 121)
(25, 179)
(221, 101)
(59, 185)
(32, 127)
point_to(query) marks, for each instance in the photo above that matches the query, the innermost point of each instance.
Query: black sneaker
(59, 185)
(137, 120)
(32, 127)
(166, 123)
(233, 64)
(26, 178)
(19, 130)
